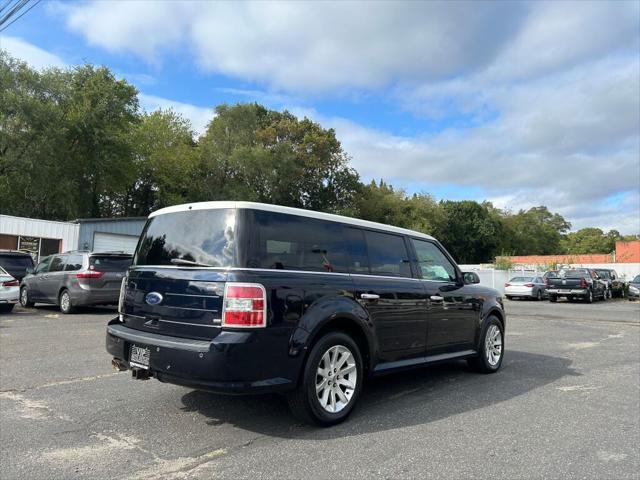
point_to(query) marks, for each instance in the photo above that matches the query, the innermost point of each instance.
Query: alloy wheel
(493, 345)
(336, 378)
(24, 299)
(65, 302)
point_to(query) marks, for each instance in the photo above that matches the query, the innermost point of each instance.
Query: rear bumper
(563, 292)
(519, 292)
(232, 363)
(93, 296)
(9, 295)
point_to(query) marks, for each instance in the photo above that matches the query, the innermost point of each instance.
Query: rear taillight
(507, 284)
(123, 285)
(245, 305)
(583, 283)
(528, 284)
(11, 283)
(89, 274)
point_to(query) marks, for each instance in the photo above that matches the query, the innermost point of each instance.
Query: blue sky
(518, 103)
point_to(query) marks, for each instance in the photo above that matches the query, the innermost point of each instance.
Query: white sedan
(9, 291)
(525, 287)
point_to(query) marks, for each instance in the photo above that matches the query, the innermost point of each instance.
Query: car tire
(509, 297)
(539, 295)
(64, 301)
(6, 308)
(313, 405)
(589, 297)
(553, 298)
(491, 351)
(24, 298)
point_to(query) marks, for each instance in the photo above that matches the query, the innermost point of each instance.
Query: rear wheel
(553, 298)
(6, 308)
(589, 297)
(539, 295)
(331, 381)
(491, 350)
(65, 302)
(24, 298)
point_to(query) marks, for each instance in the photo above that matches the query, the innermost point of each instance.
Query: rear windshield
(16, 262)
(196, 237)
(109, 263)
(521, 279)
(575, 273)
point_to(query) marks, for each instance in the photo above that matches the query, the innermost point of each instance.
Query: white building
(38, 237)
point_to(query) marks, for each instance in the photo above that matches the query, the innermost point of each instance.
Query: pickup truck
(572, 284)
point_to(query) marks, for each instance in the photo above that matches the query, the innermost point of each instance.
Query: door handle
(436, 298)
(369, 296)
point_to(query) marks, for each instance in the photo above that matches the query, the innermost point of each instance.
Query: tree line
(74, 143)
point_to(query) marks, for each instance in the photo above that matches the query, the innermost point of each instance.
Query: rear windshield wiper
(180, 261)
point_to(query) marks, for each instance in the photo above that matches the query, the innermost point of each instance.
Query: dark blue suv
(238, 297)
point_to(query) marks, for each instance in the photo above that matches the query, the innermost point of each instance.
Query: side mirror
(470, 278)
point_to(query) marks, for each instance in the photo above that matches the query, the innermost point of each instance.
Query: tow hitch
(140, 374)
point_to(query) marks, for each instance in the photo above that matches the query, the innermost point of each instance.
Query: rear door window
(110, 263)
(291, 242)
(74, 262)
(359, 259)
(57, 264)
(433, 264)
(388, 254)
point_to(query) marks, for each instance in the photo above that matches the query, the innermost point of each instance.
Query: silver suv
(74, 279)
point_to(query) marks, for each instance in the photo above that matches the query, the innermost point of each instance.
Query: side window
(74, 262)
(358, 250)
(292, 242)
(43, 266)
(433, 263)
(387, 254)
(57, 264)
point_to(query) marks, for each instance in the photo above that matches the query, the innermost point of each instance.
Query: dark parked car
(75, 279)
(576, 283)
(237, 297)
(16, 263)
(615, 285)
(634, 288)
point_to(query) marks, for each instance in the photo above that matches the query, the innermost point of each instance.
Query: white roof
(289, 210)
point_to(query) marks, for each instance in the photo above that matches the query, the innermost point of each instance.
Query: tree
(252, 153)
(164, 162)
(536, 231)
(65, 147)
(469, 231)
(590, 240)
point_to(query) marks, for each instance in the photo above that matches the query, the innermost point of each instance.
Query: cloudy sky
(521, 104)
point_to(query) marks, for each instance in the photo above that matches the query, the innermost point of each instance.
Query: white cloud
(34, 56)
(311, 47)
(198, 116)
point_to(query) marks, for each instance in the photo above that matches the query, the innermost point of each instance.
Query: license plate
(565, 291)
(139, 357)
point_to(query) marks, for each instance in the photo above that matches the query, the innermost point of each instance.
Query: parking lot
(565, 405)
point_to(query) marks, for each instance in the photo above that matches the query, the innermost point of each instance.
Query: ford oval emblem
(153, 298)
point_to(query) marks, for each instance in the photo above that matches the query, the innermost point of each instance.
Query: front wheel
(491, 350)
(331, 381)
(553, 298)
(24, 298)
(539, 295)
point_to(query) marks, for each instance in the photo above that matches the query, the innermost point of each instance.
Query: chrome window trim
(289, 211)
(191, 295)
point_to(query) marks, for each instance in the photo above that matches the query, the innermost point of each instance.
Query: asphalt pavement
(566, 404)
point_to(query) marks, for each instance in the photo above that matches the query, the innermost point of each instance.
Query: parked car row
(68, 280)
(573, 284)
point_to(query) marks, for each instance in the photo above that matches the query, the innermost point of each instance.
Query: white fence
(497, 278)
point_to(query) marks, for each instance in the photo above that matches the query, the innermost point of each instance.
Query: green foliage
(536, 231)
(590, 240)
(252, 153)
(503, 263)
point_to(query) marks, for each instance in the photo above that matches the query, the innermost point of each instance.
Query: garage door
(113, 242)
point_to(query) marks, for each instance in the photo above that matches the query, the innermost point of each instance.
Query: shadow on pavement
(409, 398)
